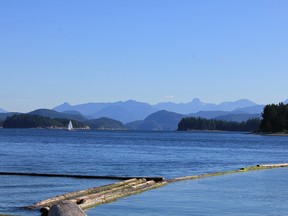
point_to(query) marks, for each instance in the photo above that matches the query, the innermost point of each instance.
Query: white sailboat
(70, 126)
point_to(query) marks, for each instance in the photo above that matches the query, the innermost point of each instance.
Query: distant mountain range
(196, 105)
(130, 111)
(127, 111)
(143, 116)
(165, 120)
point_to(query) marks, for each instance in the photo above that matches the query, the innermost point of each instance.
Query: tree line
(198, 123)
(274, 118)
(36, 121)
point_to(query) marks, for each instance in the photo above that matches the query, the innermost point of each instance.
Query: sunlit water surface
(168, 154)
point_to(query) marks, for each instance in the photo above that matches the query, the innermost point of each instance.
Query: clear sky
(151, 51)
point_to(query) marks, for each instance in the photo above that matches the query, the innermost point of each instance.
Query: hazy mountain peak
(65, 104)
(163, 114)
(197, 104)
(231, 105)
(55, 114)
(63, 107)
(42, 112)
(2, 111)
(134, 102)
(196, 100)
(131, 101)
(245, 102)
(286, 101)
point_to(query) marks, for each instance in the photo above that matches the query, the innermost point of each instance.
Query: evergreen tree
(274, 118)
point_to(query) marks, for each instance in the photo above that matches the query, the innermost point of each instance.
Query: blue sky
(147, 50)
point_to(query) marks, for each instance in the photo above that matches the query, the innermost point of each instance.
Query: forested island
(105, 124)
(194, 123)
(274, 119)
(36, 121)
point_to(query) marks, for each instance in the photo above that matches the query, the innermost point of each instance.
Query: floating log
(74, 194)
(155, 178)
(183, 178)
(114, 196)
(104, 194)
(83, 199)
(99, 195)
(251, 168)
(268, 166)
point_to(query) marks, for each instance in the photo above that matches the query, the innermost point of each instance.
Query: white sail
(70, 126)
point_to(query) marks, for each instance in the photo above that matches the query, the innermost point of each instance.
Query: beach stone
(66, 208)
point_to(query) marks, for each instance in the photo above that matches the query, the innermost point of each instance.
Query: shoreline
(272, 134)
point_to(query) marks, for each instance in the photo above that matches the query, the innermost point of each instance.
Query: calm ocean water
(128, 153)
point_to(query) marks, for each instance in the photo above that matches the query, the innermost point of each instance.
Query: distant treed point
(193, 123)
(275, 118)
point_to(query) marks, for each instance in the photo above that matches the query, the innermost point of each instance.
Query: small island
(274, 121)
(37, 121)
(198, 123)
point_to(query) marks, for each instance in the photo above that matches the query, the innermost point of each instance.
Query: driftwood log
(75, 194)
(114, 196)
(155, 178)
(98, 195)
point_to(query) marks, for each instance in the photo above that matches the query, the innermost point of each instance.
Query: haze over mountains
(196, 105)
(143, 116)
(130, 111)
(2, 111)
(123, 111)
